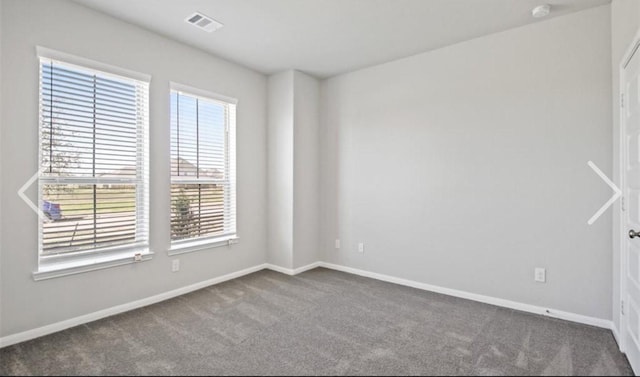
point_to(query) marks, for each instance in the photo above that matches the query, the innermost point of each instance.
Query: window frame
(71, 262)
(207, 242)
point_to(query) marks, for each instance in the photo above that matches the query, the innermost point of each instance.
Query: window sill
(78, 266)
(189, 247)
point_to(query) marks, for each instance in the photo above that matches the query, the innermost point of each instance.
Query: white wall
(466, 167)
(625, 21)
(74, 29)
(306, 170)
(2, 33)
(280, 163)
(293, 181)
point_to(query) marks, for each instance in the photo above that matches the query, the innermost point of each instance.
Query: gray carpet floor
(321, 322)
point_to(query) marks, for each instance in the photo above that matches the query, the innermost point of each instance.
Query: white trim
(203, 94)
(293, 272)
(202, 244)
(63, 325)
(622, 150)
(631, 50)
(82, 257)
(615, 332)
(306, 268)
(282, 270)
(597, 322)
(90, 263)
(47, 53)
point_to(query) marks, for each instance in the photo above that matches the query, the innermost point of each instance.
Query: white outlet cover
(361, 247)
(337, 244)
(540, 275)
(175, 265)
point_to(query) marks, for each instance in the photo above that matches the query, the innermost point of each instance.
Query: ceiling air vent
(203, 22)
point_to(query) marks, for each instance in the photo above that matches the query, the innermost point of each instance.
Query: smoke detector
(203, 22)
(541, 11)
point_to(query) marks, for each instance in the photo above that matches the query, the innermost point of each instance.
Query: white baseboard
(616, 335)
(293, 272)
(307, 268)
(63, 325)
(597, 322)
(282, 270)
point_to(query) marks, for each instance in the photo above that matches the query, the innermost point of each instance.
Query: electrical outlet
(541, 275)
(175, 265)
(337, 244)
(361, 247)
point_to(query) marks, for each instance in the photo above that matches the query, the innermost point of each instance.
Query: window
(203, 202)
(93, 183)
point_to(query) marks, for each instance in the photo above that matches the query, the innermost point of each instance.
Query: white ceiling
(329, 37)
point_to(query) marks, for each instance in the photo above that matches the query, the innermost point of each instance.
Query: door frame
(632, 49)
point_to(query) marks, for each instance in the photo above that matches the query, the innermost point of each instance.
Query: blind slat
(93, 126)
(201, 149)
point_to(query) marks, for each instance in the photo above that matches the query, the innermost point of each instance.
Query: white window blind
(203, 197)
(93, 181)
